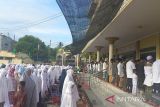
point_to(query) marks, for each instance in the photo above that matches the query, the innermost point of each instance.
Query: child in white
(134, 84)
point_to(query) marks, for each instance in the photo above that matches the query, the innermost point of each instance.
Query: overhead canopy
(101, 13)
(140, 18)
(77, 14)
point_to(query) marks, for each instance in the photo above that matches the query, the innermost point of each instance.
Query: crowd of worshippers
(29, 85)
(140, 76)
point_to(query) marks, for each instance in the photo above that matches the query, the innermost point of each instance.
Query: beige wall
(16, 61)
(13, 61)
(150, 41)
(11, 56)
(4, 61)
(6, 54)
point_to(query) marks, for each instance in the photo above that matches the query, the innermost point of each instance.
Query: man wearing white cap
(148, 78)
(156, 77)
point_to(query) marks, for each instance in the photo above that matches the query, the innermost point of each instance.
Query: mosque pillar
(111, 41)
(75, 60)
(62, 59)
(89, 57)
(98, 52)
(78, 60)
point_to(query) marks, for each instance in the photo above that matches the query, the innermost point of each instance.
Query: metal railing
(87, 78)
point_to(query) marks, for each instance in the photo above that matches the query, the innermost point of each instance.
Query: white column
(98, 52)
(110, 51)
(75, 60)
(62, 59)
(98, 55)
(78, 59)
(111, 41)
(89, 57)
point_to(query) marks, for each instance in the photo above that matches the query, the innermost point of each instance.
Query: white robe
(39, 80)
(44, 87)
(30, 88)
(52, 75)
(36, 80)
(99, 67)
(94, 67)
(148, 76)
(90, 67)
(69, 78)
(156, 71)
(10, 84)
(57, 71)
(3, 88)
(134, 83)
(69, 96)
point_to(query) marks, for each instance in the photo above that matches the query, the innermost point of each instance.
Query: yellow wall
(6, 54)
(16, 61)
(148, 42)
(158, 46)
(13, 60)
(151, 41)
(4, 61)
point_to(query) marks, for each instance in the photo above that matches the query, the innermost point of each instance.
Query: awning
(77, 16)
(140, 18)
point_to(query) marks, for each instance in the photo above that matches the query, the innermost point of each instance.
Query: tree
(29, 45)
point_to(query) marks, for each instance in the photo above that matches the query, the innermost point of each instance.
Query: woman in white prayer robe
(40, 85)
(52, 75)
(4, 100)
(36, 80)
(57, 71)
(30, 88)
(39, 79)
(67, 89)
(44, 87)
(69, 99)
(12, 84)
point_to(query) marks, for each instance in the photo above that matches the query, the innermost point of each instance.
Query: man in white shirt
(148, 82)
(105, 70)
(120, 67)
(156, 77)
(130, 67)
(134, 83)
(88, 67)
(99, 66)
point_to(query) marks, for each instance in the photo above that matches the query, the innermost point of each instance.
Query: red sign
(111, 99)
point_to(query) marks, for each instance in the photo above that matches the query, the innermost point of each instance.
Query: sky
(40, 18)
